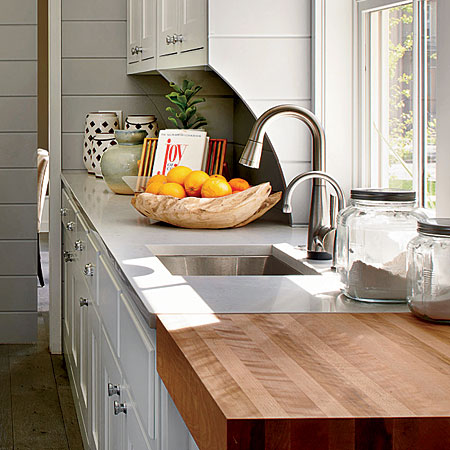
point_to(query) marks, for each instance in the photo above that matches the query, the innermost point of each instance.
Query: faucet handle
(333, 210)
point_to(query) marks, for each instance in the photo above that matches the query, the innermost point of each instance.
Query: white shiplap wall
(18, 184)
(262, 49)
(94, 77)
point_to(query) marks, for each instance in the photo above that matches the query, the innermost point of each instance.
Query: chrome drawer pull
(70, 226)
(68, 256)
(84, 301)
(119, 408)
(63, 212)
(89, 270)
(79, 245)
(169, 40)
(113, 389)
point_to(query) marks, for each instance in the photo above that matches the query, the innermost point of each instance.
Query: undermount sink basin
(200, 265)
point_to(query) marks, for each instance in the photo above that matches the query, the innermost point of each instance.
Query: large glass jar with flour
(428, 271)
(372, 238)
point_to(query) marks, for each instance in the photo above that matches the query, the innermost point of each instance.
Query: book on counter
(180, 148)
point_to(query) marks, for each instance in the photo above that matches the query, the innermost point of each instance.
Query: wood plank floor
(36, 405)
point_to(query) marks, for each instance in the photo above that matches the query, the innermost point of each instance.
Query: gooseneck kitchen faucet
(319, 228)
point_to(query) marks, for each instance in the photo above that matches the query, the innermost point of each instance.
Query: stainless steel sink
(190, 265)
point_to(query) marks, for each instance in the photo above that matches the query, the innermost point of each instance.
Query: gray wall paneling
(18, 137)
(94, 77)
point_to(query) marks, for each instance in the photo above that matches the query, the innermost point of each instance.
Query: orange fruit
(178, 174)
(215, 187)
(220, 177)
(194, 181)
(158, 177)
(153, 188)
(238, 184)
(173, 189)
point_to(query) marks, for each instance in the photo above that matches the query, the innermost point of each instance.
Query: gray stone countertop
(132, 240)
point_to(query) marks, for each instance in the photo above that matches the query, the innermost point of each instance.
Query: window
(397, 59)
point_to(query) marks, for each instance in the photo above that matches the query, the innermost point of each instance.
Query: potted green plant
(184, 114)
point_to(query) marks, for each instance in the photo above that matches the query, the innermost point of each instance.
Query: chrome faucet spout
(319, 227)
(251, 156)
(318, 238)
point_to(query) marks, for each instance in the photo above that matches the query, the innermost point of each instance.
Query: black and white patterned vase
(96, 122)
(149, 123)
(101, 143)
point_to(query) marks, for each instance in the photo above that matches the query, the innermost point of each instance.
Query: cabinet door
(94, 379)
(68, 308)
(80, 342)
(134, 435)
(193, 24)
(113, 424)
(167, 26)
(173, 431)
(148, 26)
(134, 23)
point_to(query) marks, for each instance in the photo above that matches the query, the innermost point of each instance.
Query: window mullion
(419, 102)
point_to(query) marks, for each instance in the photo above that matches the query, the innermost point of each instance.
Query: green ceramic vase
(122, 160)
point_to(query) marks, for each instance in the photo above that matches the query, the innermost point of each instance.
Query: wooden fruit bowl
(232, 211)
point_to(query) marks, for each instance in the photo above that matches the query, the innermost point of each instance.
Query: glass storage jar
(428, 271)
(372, 237)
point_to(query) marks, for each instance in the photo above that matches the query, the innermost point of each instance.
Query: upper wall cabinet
(141, 36)
(182, 33)
(166, 34)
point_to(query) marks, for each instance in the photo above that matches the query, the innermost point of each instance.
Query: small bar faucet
(318, 228)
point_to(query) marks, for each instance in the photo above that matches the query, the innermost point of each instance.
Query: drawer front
(68, 214)
(89, 268)
(80, 242)
(108, 301)
(137, 355)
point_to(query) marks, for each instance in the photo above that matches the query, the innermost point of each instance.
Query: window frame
(363, 170)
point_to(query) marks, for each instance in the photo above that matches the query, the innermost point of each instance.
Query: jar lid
(439, 226)
(383, 195)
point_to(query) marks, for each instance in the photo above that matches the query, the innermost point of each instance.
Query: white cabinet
(182, 33)
(112, 404)
(111, 353)
(94, 380)
(167, 26)
(141, 31)
(166, 34)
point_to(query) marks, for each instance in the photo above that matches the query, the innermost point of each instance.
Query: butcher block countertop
(310, 381)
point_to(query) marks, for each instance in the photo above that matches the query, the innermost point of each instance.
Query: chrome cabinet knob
(63, 212)
(84, 301)
(113, 389)
(139, 50)
(68, 256)
(89, 270)
(79, 245)
(133, 50)
(119, 408)
(177, 38)
(70, 226)
(169, 40)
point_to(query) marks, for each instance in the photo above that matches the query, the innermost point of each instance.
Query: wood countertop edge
(213, 428)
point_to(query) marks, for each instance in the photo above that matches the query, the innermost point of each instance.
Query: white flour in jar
(383, 282)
